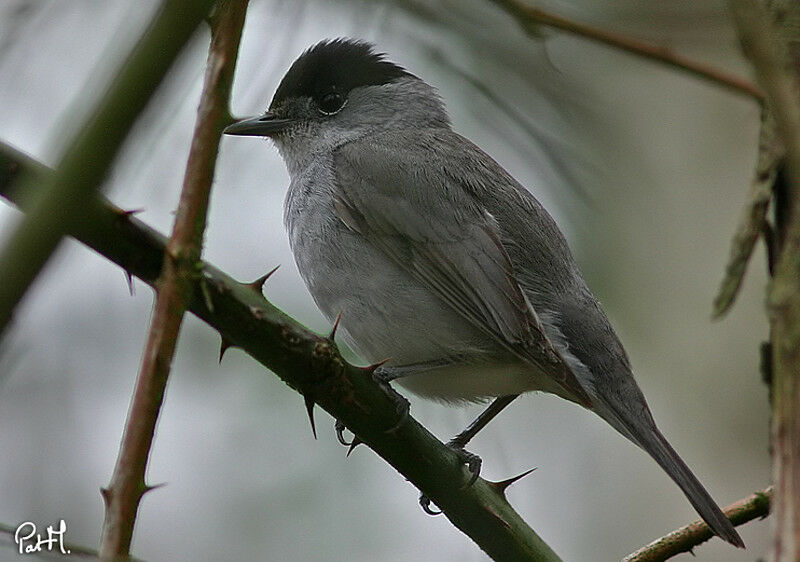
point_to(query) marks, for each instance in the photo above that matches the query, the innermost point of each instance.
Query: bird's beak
(262, 126)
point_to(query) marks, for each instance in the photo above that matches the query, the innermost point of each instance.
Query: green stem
(85, 164)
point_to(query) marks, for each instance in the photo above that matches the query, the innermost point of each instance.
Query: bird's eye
(331, 103)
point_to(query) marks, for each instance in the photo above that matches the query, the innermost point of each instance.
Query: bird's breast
(385, 312)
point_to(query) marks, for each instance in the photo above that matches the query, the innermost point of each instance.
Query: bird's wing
(428, 224)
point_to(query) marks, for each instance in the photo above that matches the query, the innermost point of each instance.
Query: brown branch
(765, 44)
(755, 506)
(529, 17)
(174, 288)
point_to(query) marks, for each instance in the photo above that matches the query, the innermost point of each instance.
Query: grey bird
(440, 260)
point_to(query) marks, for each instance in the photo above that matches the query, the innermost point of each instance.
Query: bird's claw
(382, 376)
(352, 444)
(426, 503)
(339, 427)
(402, 406)
(472, 461)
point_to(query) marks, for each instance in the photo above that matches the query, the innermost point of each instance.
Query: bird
(430, 253)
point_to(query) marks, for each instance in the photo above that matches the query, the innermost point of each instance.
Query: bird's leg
(383, 376)
(459, 442)
(497, 405)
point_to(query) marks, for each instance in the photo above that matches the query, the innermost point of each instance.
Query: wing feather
(453, 248)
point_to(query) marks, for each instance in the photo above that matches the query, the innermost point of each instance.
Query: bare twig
(84, 166)
(175, 285)
(529, 17)
(764, 43)
(754, 220)
(686, 538)
(311, 365)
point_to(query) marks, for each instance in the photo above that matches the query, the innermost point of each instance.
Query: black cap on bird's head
(336, 65)
(326, 73)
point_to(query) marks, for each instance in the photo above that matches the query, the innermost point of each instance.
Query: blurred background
(645, 168)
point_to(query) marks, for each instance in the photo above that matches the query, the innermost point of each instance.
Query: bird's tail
(641, 429)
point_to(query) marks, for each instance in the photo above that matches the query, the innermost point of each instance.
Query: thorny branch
(174, 286)
(85, 164)
(310, 364)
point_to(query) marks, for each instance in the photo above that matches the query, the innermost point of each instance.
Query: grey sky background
(644, 168)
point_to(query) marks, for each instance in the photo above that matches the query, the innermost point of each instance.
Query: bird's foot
(339, 427)
(473, 463)
(352, 444)
(426, 504)
(382, 376)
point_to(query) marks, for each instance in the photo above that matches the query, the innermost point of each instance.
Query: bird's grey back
(542, 262)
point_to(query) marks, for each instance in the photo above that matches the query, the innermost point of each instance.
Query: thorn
(258, 284)
(129, 279)
(332, 335)
(353, 444)
(310, 410)
(503, 485)
(224, 345)
(149, 488)
(369, 369)
(106, 493)
(127, 213)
